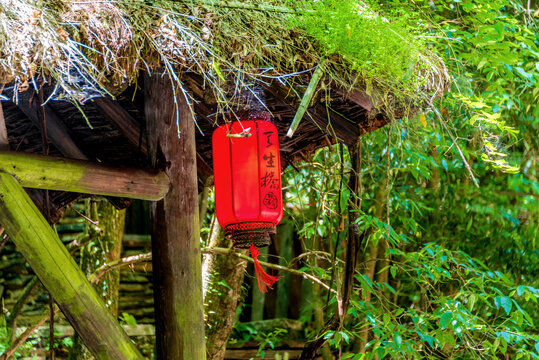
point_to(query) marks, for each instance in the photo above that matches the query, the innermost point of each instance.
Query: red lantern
(247, 178)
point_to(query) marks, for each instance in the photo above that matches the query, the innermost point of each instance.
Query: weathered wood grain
(177, 265)
(55, 173)
(57, 270)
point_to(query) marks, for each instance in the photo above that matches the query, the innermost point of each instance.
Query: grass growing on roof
(378, 46)
(94, 48)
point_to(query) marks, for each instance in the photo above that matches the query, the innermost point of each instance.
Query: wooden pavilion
(121, 141)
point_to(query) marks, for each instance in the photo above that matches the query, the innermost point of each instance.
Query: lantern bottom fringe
(243, 235)
(264, 280)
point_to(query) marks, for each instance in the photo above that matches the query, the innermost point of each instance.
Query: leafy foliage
(449, 268)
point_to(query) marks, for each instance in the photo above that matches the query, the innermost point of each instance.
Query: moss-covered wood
(54, 173)
(57, 270)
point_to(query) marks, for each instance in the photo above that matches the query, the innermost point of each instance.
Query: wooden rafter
(123, 121)
(54, 173)
(57, 131)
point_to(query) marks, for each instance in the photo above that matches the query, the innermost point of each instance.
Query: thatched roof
(88, 56)
(94, 48)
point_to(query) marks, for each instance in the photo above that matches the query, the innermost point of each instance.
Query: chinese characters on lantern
(269, 180)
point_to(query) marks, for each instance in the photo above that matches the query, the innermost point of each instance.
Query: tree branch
(98, 274)
(207, 250)
(25, 335)
(5, 238)
(11, 319)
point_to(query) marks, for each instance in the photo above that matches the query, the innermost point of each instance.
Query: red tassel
(263, 279)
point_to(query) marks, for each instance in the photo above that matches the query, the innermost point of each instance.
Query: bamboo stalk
(306, 100)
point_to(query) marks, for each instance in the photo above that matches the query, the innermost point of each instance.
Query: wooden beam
(55, 173)
(57, 270)
(177, 269)
(57, 132)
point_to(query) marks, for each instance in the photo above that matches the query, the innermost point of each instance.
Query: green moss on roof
(101, 46)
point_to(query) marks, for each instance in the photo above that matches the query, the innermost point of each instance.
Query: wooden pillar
(177, 270)
(57, 270)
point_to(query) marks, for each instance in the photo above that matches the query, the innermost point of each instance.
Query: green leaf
(499, 28)
(217, 69)
(471, 302)
(481, 63)
(470, 222)
(525, 74)
(129, 319)
(386, 319)
(393, 271)
(397, 339)
(345, 337)
(337, 339)
(505, 302)
(445, 320)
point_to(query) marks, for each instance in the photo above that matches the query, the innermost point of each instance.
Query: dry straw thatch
(91, 48)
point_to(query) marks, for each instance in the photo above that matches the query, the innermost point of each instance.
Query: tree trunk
(103, 250)
(285, 235)
(112, 222)
(221, 300)
(177, 269)
(369, 260)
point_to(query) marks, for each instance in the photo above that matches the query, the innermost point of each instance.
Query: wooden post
(57, 270)
(177, 270)
(55, 173)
